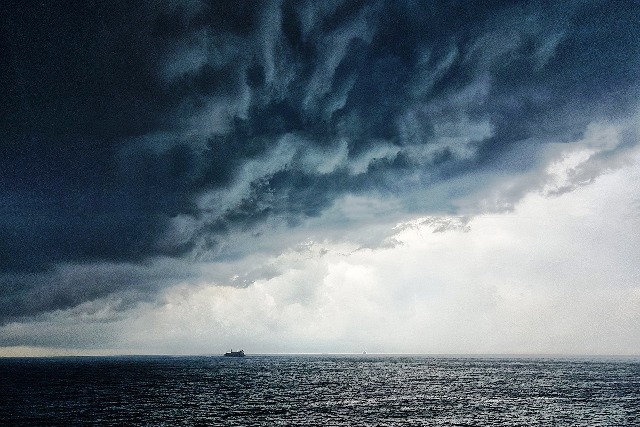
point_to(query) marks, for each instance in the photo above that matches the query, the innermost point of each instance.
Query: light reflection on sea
(320, 390)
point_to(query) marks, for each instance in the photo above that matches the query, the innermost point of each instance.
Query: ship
(234, 354)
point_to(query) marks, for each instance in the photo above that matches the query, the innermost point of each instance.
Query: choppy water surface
(319, 390)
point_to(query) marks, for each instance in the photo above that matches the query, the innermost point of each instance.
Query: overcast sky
(336, 176)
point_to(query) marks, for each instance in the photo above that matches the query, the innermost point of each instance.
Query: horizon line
(363, 354)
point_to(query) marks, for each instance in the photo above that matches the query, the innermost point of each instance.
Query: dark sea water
(319, 391)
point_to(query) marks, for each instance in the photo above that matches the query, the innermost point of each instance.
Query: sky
(446, 177)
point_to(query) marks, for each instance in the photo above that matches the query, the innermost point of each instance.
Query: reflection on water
(319, 390)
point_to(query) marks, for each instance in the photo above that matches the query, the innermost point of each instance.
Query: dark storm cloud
(132, 131)
(67, 286)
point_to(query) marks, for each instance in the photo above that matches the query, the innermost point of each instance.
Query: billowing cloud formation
(555, 275)
(139, 140)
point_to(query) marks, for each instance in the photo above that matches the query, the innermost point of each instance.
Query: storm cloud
(138, 140)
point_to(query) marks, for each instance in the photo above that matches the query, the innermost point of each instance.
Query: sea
(319, 390)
